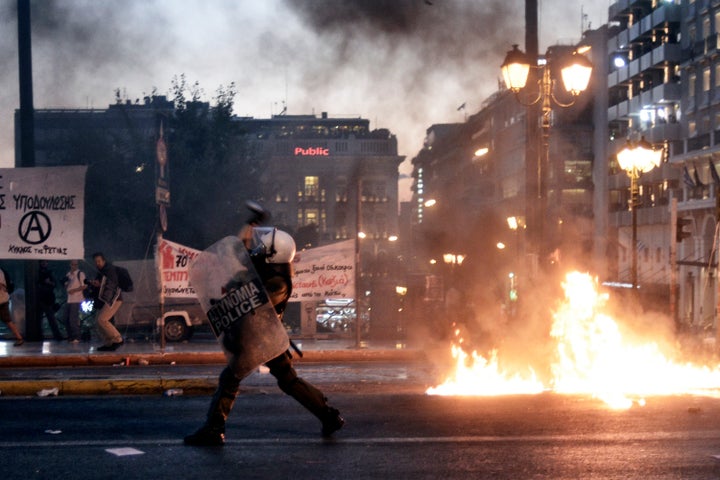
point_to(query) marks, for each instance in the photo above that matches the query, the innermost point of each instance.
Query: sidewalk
(79, 369)
(63, 354)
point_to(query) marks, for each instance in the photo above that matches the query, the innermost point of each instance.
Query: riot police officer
(272, 259)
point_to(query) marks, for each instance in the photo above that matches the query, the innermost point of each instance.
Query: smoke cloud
(403, 64)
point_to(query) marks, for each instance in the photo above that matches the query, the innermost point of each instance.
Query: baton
(295, 347)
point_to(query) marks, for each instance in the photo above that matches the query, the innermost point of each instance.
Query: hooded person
(272, 252)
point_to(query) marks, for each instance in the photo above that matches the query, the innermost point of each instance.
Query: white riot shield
(237, 305)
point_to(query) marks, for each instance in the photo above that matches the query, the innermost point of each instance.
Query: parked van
(141, 307)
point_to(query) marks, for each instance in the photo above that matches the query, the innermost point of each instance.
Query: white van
(141, 307)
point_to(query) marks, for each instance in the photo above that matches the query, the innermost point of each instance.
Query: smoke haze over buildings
(403, 64)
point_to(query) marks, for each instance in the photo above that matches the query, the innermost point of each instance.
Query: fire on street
(590, 352)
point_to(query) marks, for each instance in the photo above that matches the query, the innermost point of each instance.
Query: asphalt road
(388, 435)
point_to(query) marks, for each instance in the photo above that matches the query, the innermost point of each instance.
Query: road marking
(124, 451)
(597, 437)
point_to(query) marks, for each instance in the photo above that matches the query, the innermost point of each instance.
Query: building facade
(664, 86)
(321, 172)
(471, 197)
(643, 102)
(323, 179)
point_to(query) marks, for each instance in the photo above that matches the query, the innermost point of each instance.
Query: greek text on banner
(325, 272)
(42, 212)
(174, 262)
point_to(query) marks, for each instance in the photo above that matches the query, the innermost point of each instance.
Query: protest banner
(42, 212)
(325, 272)
(174, 260)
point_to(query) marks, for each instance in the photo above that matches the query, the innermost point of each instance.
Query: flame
(592, 356)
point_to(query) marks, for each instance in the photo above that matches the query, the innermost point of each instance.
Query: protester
(74, 286)
(274, 265)
(111, 297)
(46, 298)
(5, 310)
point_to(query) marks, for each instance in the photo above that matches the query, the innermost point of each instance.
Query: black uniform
(277, 279)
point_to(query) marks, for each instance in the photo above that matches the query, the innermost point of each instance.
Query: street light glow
(453, 258)
(576, 75)
(640, 157)
(430, 202)
(515, 69)
(481, 151)
(635, 159)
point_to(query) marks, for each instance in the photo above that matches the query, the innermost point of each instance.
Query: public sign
(325, 272)
(175, 262)
(312, 152)
(42, 212)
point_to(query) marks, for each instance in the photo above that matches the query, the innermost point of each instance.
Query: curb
(158, 385)
(138, 386)
(203, 358)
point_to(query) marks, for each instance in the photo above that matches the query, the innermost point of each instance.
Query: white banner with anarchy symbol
(42, 211)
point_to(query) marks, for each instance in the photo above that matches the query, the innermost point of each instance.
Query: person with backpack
(74, 286)
(5, 290)
(46, 299)
(110, 295)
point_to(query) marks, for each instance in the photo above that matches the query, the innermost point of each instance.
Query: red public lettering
(312, 152)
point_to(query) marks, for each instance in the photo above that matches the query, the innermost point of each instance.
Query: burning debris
(593, 353)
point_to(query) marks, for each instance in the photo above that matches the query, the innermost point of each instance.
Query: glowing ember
(592, 356)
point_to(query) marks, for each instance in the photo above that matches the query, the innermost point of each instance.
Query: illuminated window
(312, 185)
(341, 192)
(706, 79)
(691, 84)
(309, 217)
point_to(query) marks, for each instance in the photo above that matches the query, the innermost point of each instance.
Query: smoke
(424, 58)
(403, 64)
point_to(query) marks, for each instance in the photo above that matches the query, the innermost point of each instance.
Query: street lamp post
(637, 158)
(575, 73)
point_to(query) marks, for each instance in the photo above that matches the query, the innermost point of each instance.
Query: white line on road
(600, 437)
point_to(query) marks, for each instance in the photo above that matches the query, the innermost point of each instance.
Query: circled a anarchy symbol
(34, 227)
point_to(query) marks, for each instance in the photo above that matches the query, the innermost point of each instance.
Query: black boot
(331, 422)
(313, 399)
(206, 437)
(306, 394)
(213, 432)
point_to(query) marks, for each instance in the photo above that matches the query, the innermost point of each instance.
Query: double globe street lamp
(575, 70)
(637, 158)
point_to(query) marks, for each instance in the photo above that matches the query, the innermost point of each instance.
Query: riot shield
(237, 306)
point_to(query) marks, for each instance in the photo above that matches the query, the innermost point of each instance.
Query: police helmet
(277, 246)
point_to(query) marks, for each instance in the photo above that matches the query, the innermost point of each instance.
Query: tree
(212, 172)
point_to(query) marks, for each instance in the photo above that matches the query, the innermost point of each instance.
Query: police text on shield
(240, 301)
